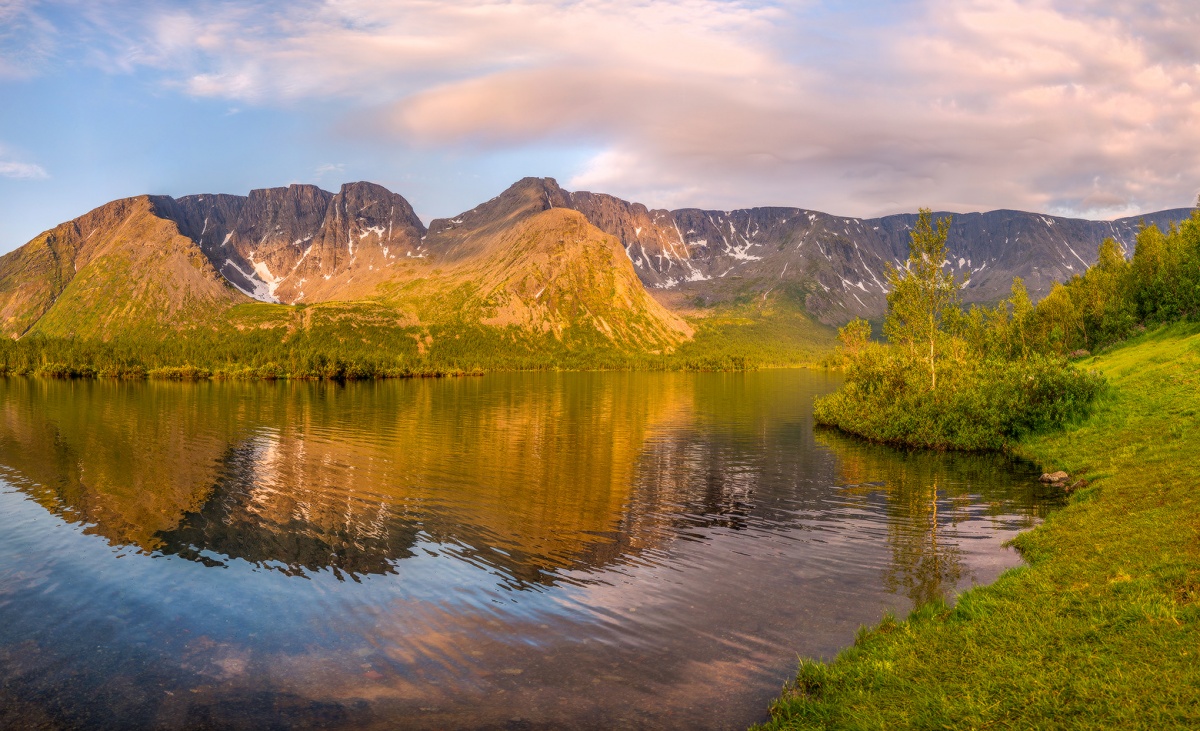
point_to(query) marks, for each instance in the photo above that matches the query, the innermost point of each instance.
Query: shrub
(986, 405)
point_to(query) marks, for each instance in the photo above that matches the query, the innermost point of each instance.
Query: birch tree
(921, 292)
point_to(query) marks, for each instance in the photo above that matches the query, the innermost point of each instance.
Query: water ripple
(584, 550)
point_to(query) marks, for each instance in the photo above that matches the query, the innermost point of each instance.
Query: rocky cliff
(837, 263)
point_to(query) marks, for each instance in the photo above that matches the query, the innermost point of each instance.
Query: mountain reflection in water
(422, 522)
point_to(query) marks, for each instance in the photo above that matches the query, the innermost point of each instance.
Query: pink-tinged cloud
(1070, 107)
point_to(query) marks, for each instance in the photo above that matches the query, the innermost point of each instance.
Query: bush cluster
(978, 405)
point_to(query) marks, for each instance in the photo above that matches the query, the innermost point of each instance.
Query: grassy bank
(1102, 628)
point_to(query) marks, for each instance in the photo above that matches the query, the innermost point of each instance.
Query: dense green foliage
(356, 340)
(979, 404)
(1004, 371)
(1101, 629)
(1115, 298)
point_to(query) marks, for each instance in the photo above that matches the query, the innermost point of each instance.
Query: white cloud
(327, 168)
(22, 170)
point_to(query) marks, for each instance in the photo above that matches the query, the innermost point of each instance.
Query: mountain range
(536, 258)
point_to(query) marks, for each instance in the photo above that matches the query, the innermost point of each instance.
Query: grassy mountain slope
(1101, 629)
(552, 273)
(518, 282)
(121, 267)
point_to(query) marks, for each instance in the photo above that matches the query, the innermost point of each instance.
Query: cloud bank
(1088, 108)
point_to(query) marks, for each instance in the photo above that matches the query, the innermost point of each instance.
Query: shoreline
(1101, 626)
(196, 374)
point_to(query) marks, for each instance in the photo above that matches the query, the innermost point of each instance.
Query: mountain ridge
(509, 262)
(37, 289)
(835, 264)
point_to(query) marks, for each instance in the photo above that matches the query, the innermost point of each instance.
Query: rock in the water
(1075, 486)
(1054, 477)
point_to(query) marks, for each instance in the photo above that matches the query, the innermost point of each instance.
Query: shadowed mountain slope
(837, 264)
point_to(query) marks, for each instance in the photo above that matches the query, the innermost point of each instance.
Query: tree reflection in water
(487, 546)
(538, 478)
(927, 494)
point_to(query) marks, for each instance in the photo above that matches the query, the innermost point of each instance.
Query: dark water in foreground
(514, 551)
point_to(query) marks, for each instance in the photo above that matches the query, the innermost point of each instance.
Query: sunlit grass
(1101, 629)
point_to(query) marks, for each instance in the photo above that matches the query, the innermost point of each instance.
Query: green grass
(755, 334)
(371, 339)
(1101, 629)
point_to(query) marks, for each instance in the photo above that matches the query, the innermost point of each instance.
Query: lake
(512, 551)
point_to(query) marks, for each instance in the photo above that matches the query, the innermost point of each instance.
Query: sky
(1088, 108)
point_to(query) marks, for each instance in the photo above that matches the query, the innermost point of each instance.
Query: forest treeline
(352, 345)
(983, 377)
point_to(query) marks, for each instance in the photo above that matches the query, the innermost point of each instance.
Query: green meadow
(1101, 629)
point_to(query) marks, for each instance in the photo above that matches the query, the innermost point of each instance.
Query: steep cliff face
(301, 242)
(254, 241)
(652, 239)
(368, 235)
(837, 264)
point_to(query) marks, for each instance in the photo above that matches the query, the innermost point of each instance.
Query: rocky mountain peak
(287, 244)
(365, 231)
(457, 238)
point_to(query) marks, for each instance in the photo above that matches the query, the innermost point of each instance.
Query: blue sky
(1079, 108)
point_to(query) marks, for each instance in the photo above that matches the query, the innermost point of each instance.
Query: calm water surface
(515, 551)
